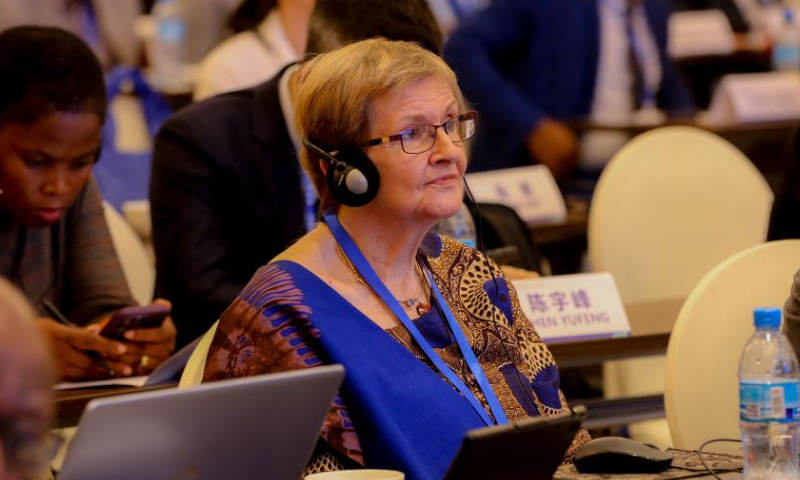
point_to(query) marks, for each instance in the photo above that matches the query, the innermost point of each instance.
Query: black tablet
(529, 449)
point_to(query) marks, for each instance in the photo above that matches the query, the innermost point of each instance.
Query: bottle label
(786, 57)
(769, 402)
(172, 30)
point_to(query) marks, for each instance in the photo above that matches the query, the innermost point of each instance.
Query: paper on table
(124, 381)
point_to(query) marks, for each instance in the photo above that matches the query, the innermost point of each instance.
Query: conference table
(768, 145)
(71, 403)
(651, 323)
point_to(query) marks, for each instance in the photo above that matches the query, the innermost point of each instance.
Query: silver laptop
(262, 427)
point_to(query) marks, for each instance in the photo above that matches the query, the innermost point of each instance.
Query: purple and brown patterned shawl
(269, 328)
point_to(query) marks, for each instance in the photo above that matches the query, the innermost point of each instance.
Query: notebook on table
(248, 428)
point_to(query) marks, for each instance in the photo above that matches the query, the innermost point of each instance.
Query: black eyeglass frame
(461, 117)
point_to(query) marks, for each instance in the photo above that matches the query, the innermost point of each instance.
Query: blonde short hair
(334, 107)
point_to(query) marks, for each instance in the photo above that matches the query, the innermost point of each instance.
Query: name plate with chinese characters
(531, 191)
(573, 307)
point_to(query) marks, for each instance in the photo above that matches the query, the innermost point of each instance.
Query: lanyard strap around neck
(371, 278)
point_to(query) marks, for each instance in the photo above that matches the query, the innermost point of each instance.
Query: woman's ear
(324, 167)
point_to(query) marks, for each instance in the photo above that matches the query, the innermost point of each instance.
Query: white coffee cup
(358, 475)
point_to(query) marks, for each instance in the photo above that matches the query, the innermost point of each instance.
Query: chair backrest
(195, 367)
(669, 206)
(502, 227)
(702, 400)
(137, 214)
(136, 263)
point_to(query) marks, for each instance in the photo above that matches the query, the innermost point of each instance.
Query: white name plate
(703, 32)
(573, 307)
(531, 191)
(756, 97)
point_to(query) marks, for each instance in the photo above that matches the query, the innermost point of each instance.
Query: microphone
(327, 157)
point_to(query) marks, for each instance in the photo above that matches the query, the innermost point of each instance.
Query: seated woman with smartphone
(54, 242)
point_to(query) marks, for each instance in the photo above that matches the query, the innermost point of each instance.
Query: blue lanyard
(309, 201)
(371, 278)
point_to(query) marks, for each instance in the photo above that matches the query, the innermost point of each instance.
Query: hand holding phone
(134, 318)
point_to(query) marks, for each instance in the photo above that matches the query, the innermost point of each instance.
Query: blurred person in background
(54, 241)
(107, 26)
(449, 13)
(26, 389)
(206, 25)
(530, 67)
(791, 315)
(271, 34)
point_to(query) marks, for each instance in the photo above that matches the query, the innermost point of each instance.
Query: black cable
(704, 471)
(708, 442)
(527, 386)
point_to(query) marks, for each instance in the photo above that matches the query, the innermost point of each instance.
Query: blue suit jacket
(519, 61)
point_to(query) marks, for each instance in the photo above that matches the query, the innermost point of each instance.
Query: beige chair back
(195, 367)
(137, 264)
(702, 396)
(672, 204)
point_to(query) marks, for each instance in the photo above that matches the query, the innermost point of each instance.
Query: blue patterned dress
(394, 410)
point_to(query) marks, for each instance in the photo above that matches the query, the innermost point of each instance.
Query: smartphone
(131, 318)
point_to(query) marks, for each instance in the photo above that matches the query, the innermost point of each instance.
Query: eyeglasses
(421, 138)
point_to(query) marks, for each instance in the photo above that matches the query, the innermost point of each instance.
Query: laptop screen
(531, 448)
(249, 428)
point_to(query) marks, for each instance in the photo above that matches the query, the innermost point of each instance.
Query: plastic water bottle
(168, 53)
(768, 401)
(460, 227)
(786, 51)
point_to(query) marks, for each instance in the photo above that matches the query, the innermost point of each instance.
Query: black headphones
(352, 178)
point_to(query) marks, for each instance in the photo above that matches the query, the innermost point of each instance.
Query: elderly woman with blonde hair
(431, 334)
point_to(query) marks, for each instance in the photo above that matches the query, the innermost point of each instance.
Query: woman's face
(44, 165)
(425, 186)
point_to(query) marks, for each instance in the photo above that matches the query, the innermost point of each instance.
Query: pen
(60, 318)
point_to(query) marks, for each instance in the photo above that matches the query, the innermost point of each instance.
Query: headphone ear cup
(354, 179)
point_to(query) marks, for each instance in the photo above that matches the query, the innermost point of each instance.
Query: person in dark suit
(791, 315)
(529, 66)
(226, 192)
(784, 222)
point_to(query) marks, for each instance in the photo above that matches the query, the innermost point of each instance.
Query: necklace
(416, 303)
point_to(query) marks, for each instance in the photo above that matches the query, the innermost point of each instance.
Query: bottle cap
(767, 317)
